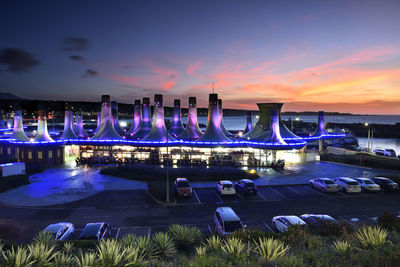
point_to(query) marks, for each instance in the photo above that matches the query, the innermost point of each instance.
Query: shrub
(208, 260)
(68, 247)
(314, 242)
(184, 236)
(42, 254)
(289, 261)
(63, 259)
(234, 247)
(370, 236)
(389, 221)
(144, 246)
(296, 235)
(328, 229)
(46, 239)
(201, 251)
(128, 240)
(18, 257)
(341, 246)
(110, 253)
(164, 246)
(253, 233)
(133, 256)
(214, 242)
(85, 259)
(270, 249)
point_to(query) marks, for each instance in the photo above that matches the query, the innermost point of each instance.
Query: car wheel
(344, 190)
(322, 190)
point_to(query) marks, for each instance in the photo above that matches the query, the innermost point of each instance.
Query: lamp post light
(370, 137)
(166, 165)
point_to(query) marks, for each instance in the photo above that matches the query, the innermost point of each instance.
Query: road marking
(240, 196)
(276, 192)
(148, 233)
(116, 236)
(218, 196)
(198, 200)
(291, 189)
(315, 190)
(261, 196)
(266, 225)
(209, 228)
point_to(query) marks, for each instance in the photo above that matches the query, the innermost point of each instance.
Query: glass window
(352, 183)
(231, 226)
(9, 150)
(58, 153)
(40, 154)
(228, 186)
(368, 182)
(328, 182)
(50, 154)
(29, 154)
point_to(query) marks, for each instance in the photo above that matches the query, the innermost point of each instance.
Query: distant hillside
(8, 96)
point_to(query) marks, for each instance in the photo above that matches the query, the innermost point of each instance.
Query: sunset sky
(313, 55)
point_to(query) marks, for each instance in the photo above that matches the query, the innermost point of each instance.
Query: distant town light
(297, 119)
(123, 123)
(366, 124)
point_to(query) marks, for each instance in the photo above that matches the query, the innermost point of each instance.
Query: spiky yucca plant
(214, 242)
(63, 259)
(133, 256)
(87, 259)
(128, 240)
(201, 251)
(68, 247)
(270, 249)
(46, 239)
(144, 246)
(20, 257)
(234, 247)
(164, 246)
(42, 254)
(341, 246)
(110, 253)
(1, 248)
(185, 236)
(371, 236)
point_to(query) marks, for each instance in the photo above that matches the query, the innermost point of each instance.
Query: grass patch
(364, 159)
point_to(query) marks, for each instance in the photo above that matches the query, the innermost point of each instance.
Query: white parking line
(209, 228)
(295, 191)
(261, 196)
(273, 190)
(240, 196)
(116, 236)
(266, 225)
(148, 233)
(198, 200)
(220, 199)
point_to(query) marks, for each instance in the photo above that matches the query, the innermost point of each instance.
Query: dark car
(96, 231)
(386, 184)
(182, 188)
(246, 186)
(318, 220)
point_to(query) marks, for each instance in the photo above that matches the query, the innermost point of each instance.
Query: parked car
(348, 185)
(182, 188)
(61, 231)
(226, 221)
(368, 185)
(96, 231)
(386, 184)
(246, 186)
(282, 223)
(324, 184)
(226, 188)
(318, 220)
(385, 152)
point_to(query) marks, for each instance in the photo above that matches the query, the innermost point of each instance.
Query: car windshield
(368, 182)
(53, 228)
(231, 226)
(249, 185)
(227, 185)
(328, 182)
(352, 183)
(183, 184)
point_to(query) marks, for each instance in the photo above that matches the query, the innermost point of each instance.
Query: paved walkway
(69, 183)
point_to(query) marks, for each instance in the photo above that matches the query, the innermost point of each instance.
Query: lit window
(58, 153)
(50, 154)
(40, 154)
(29, 154)
(9, 150)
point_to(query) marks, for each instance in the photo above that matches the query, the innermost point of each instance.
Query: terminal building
(148, 140)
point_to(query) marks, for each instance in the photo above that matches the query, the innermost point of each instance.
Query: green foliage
(68, 247)
(254, 233)
(145, 247)
(314, 242)
(341, 246)
(42, 253)
(233, 246)
(20, 257)
(184, 236)
(370, 236)
(164, 246)
(289, 261)
(296, 235)
(46, 239)
(128, 240)
(84, 244)
(270, 249)
(110, 253)
(389, 221)
(208, 260)
(63, 259)
(87, 259)
(201, 251)
(133, 257)
(214, 242)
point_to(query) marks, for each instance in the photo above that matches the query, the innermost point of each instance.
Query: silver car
(368, 185)
(226, 221)
(282, 223)
(324, 184)
(348, 185)
(61, 231)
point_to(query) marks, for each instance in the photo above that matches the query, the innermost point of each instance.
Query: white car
(324, 184)
(226, 221)
(226, 188)
(282, 223)
(368, 185)
(61, 231)
(348, 185)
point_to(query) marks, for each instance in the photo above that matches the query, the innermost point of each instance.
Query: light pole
(166, 165)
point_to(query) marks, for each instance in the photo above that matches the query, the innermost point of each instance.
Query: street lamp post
(166, 165)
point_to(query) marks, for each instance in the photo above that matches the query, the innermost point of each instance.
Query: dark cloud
(125, 67)
(90, 73)
(17, 60)
(75, 44)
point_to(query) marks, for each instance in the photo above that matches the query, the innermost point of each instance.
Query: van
(226, 221)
